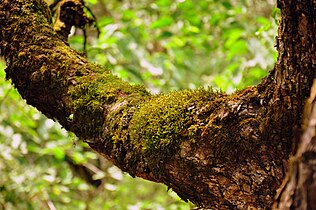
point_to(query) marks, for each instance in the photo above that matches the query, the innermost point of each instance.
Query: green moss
(92, 93)
(201, 116)
(162, 122)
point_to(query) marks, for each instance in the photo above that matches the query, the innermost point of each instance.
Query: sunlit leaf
(91, 1)
(162, 22)
(59, 153)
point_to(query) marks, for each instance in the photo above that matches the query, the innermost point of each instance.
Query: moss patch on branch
(92, 96)
(162, 122)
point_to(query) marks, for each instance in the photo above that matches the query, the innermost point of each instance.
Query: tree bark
(298, 190)
(218, 151)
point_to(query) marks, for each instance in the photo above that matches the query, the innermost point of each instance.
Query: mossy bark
(216, 150)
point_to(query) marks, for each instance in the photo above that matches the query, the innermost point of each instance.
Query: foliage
(166, 45)
(184, 44)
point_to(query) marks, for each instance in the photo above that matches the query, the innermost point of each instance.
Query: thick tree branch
(219, 151)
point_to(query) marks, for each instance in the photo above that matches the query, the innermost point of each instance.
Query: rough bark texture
(218, 151)
(298, 190)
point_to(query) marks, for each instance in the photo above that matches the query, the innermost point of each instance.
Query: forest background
(165, 45)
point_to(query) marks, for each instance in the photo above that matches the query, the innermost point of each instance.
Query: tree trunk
(218, 151)
(298, 190)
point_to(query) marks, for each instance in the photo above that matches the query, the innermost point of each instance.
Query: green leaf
(165, 34)
(227, 4)
(232, 36)
(78, 158)
(58, 153)
(163, 3)
(128, 15)
(92, 1)
(161, 22)
(105, 21)
(276, 14)
(238, 48)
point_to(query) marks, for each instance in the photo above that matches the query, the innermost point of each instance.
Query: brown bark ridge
(298, 190)
(218, 151)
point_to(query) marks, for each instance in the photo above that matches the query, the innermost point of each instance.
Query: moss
(202, 116)
(161, 123)
(92, 93)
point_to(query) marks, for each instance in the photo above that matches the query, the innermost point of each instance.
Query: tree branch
(214, 149)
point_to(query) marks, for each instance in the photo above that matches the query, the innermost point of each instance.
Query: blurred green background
(166, 45)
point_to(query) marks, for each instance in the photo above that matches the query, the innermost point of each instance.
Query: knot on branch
(70, 13)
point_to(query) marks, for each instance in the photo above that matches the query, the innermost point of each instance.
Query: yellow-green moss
(92, 93)
(204, 116)
(161, 123)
